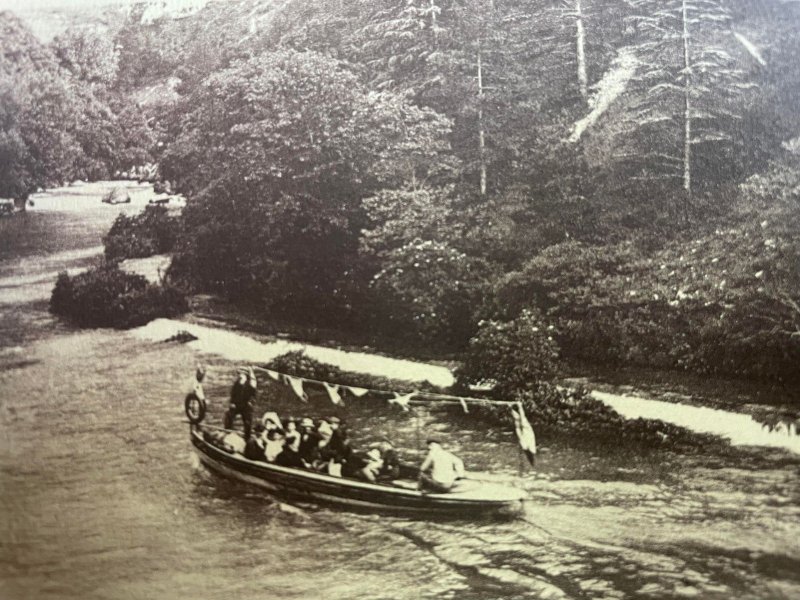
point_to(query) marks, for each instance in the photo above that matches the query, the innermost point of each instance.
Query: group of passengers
(321, 446)
(324, 446)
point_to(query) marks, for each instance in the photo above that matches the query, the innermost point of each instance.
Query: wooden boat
(469, 499)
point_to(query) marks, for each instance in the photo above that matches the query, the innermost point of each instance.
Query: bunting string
(409, 398)
(525, 434)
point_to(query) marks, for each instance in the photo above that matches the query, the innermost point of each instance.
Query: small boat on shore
(469, 499)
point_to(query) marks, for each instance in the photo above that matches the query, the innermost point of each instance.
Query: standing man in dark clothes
(243, 394)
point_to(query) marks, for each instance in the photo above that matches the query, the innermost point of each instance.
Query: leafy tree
(279, 175)
(54, 127)
(516, 356)
(397, 217)
(429, 290)
(688, 92)
(88, 55)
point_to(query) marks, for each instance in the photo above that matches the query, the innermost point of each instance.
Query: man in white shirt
(440, 470)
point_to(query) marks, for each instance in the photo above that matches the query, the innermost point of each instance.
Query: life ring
(195, 408)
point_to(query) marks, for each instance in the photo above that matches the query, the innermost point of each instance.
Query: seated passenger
(391, 461)
(290, 455)
(324, 430)
(309, 441)
(256, 445)
(272, 421)
(290, 427)
(274, 444)
(339, 446)
(364, 466)
(322, 456)
(440, 470)
(373, 466)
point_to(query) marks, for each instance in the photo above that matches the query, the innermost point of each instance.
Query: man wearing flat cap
(243, 395)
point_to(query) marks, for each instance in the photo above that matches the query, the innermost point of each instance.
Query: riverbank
(678, 386)
(742, 396)
(696, 423)
(632, 387)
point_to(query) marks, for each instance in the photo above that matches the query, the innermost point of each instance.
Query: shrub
(573, 415)
(722, 304)
(153, 231)
(517, 355)
(108, 297)
(428, 291)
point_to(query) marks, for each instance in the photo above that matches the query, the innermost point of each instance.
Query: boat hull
(301, 485)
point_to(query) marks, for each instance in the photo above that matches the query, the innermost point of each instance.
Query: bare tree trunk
(481, 135)
(687, 107)
(580, 37)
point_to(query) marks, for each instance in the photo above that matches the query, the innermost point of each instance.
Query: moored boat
(469, 499)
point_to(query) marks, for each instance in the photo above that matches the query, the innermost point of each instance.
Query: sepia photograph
(400, 299)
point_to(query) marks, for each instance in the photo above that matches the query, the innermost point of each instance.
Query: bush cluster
(108, 297)
(716, 305)
(511, 355)
(519, 359)
(153, 231)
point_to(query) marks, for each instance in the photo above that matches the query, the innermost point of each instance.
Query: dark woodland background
(621, 177)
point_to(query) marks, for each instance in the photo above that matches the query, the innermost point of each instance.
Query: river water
(101, 497)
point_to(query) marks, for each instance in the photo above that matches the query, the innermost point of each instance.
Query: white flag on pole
(525, 434)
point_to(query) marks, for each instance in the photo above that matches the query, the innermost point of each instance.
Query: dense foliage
(517, 361)
(627, 168)
(105, 296)
(59, 121)
(153, 231)
(724, 303)
(510, 355)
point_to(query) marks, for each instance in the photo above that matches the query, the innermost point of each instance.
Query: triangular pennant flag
(333, 393)
(402, 401)
(274, 375)
(464, 405)
(525, 435)
(297, 387)
(356, 391)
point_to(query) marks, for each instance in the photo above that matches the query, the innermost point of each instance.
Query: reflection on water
(101, 497)
(741, 429)
(234, 346)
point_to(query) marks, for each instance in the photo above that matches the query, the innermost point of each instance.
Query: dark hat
(430, 441)
(259, 428)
